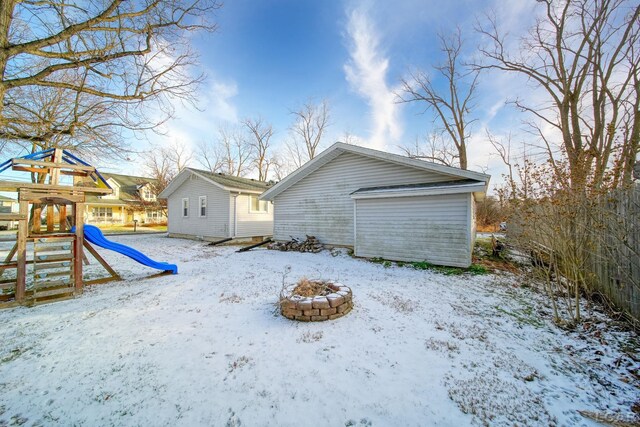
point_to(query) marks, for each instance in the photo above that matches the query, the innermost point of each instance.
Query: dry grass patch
(311, 288)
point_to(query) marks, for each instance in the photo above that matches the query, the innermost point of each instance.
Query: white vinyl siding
(215, 224)
(320, 204)
(424, 228)
(252, 223)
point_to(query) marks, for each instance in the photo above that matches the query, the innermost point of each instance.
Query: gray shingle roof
(129, 186)
(233, 181)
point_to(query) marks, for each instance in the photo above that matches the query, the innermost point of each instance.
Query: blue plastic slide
(94, 235)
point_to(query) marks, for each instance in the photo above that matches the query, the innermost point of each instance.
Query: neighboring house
(381, 204)
(8, 206)
(214, 206)
(133, 198)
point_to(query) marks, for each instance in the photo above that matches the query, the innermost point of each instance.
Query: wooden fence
(605, 241)
(614, 256)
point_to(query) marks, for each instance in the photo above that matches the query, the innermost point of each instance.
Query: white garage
(380, 204)
(417, 223)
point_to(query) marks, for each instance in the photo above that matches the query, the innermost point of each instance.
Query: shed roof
(426, 189)
(226, 182)
(338, 148)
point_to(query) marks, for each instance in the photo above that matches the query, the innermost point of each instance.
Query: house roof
(431, 188)
(6, 199)
(226, 182)
(339, 148)
(128, 188)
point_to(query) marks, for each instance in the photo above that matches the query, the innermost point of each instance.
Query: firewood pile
(311, 244)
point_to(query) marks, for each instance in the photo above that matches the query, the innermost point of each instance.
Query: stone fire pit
(315, 301)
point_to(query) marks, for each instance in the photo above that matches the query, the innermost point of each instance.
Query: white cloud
(366, 72)
(220, 104)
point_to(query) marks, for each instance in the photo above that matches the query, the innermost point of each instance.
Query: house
(213, 206)
(8, 206)
(380, 204)
(133, 198)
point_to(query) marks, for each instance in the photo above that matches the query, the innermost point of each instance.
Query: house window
(147, 194)
(258, 206)
(103, 214)
(185, 208)
(153, 215)
(202, 202)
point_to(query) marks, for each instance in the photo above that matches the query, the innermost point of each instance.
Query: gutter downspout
(235, 216)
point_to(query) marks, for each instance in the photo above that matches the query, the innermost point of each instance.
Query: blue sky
(268, 57)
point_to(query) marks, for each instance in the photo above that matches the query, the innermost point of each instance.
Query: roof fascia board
(409, 192)
(420, 164)
(340, 147)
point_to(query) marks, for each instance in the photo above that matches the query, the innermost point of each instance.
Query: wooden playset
(45, 264)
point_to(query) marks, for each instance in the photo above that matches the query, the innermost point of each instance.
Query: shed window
(202, 202)
(256, 205)
(185, 208)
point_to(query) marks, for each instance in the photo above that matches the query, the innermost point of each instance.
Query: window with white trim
(147, 194)
(202, 203)
(103, 214)
(185, 207)
(153, 215)
(258, 206)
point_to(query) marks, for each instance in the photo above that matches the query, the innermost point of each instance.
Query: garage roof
(338, 148)
(427, 189)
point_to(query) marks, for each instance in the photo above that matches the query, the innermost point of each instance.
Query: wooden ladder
(53, 269)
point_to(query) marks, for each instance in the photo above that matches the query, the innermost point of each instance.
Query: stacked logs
(311, 244)
(318, 308)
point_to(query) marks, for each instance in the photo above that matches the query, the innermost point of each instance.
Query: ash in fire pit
(315, 300)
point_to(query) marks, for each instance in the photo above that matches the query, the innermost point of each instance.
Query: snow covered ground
(207, 347)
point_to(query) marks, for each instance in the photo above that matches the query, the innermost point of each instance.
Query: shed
(213, 206)
(380, 204)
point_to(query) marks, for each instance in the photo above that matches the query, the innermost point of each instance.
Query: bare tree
(230, 153)
(261, 133)
(295, 156)
(584, 57)
(503, 148)
(434, 149)
(451, 105)
(161, 169)
(75, 72)
(311, 122)
(350, 138)
(162, 164)
(210, 155)
(280, 167)
(178, 154)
